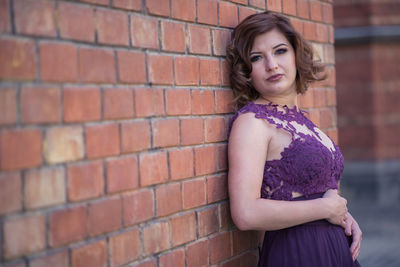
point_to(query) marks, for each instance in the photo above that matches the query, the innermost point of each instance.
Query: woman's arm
(247, 152)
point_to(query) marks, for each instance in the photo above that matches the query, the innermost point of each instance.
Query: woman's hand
(337, 207)
(353, 229)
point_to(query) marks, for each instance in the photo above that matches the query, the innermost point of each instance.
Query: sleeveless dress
(309, 167)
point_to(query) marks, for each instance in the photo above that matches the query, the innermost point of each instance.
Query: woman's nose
(270, 64)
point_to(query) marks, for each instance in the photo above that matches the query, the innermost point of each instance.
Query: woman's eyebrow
(278, 45)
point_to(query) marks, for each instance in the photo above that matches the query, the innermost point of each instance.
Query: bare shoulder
(247, 125)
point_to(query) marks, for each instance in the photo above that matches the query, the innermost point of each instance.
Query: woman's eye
(281, 51)
(254, 58)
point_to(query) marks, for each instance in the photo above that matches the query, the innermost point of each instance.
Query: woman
(283, 171)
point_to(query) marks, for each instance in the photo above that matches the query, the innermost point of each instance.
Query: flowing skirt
(314, 244)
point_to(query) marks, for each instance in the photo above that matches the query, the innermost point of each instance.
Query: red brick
(144, 32)
(105, 216)
(93, 254)
(131, 67)
(169, 199)
(217, 188)
(327, 118)
(243, 2)
(58, 259)
(274, 5)
(331, 97)
(44, 187)
(208, 221)
(306, 100)
(314, 116)
(138, 206)
(40, 105)
(122, 174)
(183, 9)
(183, 229)
(297, 25)
(178, 101)
(135, 136)
(329, 54)
(225, 73)
(76, 22)
(150, 263)
(257, 3)
(160, 69)
(228, 14)
(209, 72)
(181, 163)
(173, 36)
(107, 21)
(144, 102)
(327, 13)
(192, 131)
(319, 98)
(222, 157)
(315, 10)
(244, 12)
(20, 149)
(289, 7)
(128, 4)
(333, 134)
(124, 247)
(35, 17)
(174, 258)
(197, 254)
(117, 103)
(159, 107)
(220, 247)
(102, 140)
(322, 33)
(8, 106)
(224, 101)
(156, 7)
(243, 240)
(225, 216)
(200, 40)
(202, 102)
(58, 62)
(310, 30)
(186, 70)
(81, 104)
(24, 235)
(96, 65)
(165, 132)
(67, 225)
(85, 181)
(220, 41)
(153, 168)
(156, 237)
(303, 9)
(207, 12)
(215, 129)
(5, 22)
(98, 2)
(194, 193)
(10, 192)
(17, 59)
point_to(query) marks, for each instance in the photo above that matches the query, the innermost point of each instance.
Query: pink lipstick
(275, 78)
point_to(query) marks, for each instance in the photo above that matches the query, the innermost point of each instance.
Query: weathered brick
(122, 174)
(102, 140)
(205, 160)
(81, 104)
(289, 7)
(131, 67)
(93, 254)
(257, 3)
(144, 102)
(327, 118)
(153, 168)
(306, 100)
(224, 101)
(194, 193)
(322, 33)
(209, 72)
(297, 25)
(183, 9)
(274, 5)
(156, 7)
(186, 70)
(96, 65)
(225, 216)
(207, 12)
(76, 22)
(197, 254)
(327, 13)
(97, 2)
(128, 4)
(202, 102)
(173, 36)
(35, 17)
(104, 216)
(107, 22)
(63, 144)
(135, 136)
(8, 105)
(24, 235)
(144, 32)
(220, 247)
(160, 69)
(177, 101)
(228, 14)
(192, 131)
(199, 40)
(17, 59)
(222, 157)
(5, 22)
(224, 73)
(40, 105)
(67, 225)
(44, 187)
(124, 247)
(220, 41)
(181, 163)
(168, 199)
(20, 149)
(303, 9)
(156, 237)
(243, 2)
(208, 221)
(243, 240)
(165, 132)
(244, 12)
(315, 117)
(217, 187)
(57, 259)
(316, 10)
(138, 206)
(215, 129)
(10, 192)
(85, 180)
(310, 30)
(175, 258)
(149, 263)
(117, 103)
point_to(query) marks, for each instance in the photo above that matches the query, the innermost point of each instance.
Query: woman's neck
(289, 101)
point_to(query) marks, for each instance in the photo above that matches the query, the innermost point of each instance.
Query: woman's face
(274, 64)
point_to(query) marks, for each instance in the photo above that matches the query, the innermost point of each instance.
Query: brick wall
(113, 118)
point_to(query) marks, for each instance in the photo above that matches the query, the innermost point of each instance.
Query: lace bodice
(311, 163)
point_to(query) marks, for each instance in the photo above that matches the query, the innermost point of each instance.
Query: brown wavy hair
(239, 48)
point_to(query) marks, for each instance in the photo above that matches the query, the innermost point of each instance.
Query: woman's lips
(275, 78)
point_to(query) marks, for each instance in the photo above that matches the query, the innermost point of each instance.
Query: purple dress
(309, 167)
